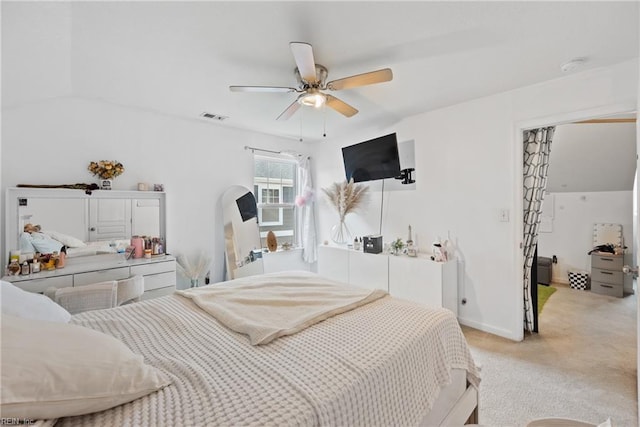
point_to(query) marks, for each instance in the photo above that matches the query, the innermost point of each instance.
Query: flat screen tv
(373, 159)
(247, 206)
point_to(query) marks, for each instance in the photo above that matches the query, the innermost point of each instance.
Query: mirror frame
(234, 229)
(12, 196)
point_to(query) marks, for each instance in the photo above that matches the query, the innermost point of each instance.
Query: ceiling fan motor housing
(321, 78)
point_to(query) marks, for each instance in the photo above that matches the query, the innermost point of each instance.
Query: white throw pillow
(54, 370)
(65, 239)
(26, 245)
(29, 305)
(45, 244)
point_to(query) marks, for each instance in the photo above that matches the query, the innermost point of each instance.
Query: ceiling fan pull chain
(301, 114)
(324, 120)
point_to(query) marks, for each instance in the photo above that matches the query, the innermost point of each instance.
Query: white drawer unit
(90, 277)
(155, 293)
(607, 277)
(369, 270)
(416, 279)
(153, 268)
(40, 285)
(159, 274)
(160, 280)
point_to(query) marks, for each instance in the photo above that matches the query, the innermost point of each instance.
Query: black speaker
(372, 244)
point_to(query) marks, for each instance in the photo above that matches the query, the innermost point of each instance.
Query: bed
(388, 362)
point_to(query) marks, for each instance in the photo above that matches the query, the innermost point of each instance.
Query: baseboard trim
(490, 329)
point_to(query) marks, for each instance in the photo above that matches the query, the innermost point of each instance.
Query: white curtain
(305, 211)
(537, 148)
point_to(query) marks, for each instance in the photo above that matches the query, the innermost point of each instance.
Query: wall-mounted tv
(373, 159)
(247, 206)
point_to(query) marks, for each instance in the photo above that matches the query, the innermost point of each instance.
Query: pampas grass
(193, 269)
(346, 197)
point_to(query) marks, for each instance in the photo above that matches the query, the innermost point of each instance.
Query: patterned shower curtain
(537, 147)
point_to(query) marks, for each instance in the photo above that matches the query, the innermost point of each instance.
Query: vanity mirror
(103, 216)
(241, 236)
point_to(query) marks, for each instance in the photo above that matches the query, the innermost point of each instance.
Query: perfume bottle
(14, 268)
(356, 244)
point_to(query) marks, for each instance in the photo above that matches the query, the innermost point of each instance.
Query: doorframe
(518, 203)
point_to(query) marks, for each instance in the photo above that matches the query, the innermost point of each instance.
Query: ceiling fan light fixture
(312, 98)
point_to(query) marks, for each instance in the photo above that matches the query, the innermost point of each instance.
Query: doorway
(591, 178)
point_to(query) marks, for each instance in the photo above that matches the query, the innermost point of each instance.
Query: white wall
(572, 234)
(469, 160)
(52, 142)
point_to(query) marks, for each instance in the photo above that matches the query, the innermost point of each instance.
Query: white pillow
(29, 305)
(66, 240)
(54, 370)
(26, 244)
(45, 244)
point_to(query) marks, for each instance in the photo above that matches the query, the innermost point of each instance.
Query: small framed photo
(105, 184)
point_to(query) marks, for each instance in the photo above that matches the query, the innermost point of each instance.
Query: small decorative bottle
(411, 249)
(35, 266)
(14, 268)
(356, 244)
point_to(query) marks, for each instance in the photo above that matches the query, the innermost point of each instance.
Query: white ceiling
(180, 57)
(592, 157)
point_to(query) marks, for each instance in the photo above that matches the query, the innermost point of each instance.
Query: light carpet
(582, 364)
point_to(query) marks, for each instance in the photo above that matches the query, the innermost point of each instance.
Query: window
(274, 185)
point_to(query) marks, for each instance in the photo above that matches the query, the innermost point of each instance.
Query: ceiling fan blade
(303, 54)
(261, 89)
(289, 111)
(340, 106)
(364, 79)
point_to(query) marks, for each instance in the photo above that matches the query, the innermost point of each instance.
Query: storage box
(372, 244)
(579, 280)
(544, 270)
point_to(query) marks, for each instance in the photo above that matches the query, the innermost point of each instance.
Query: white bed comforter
(380, 364)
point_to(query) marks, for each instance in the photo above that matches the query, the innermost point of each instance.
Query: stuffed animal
(440, 253)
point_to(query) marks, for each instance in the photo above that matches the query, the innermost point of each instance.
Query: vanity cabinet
(416, 279)
(607, 277)
(159, 274)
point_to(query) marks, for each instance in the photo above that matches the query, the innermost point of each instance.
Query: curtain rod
(254, 149)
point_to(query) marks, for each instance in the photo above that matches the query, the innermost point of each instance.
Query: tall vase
(340, 234)
(195, 282)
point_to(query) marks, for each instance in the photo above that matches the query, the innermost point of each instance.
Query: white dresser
(416, 279)
(159, 274)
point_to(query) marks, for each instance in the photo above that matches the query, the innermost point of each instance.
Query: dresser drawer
(157, 293)
(162, 280)
(153, 268)
(607, 289)
(607, 276)
(100, 276)
(607, 262)
(41, 285)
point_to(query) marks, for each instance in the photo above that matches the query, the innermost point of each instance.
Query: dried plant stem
(346, 197)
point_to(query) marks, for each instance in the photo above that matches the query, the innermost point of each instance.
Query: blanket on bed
(269, 306)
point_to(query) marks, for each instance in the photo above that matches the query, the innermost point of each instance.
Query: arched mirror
(243, 249)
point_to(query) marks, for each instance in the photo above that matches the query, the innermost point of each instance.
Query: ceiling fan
(312, 82)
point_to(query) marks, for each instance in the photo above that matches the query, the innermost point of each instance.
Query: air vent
(213, 116)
